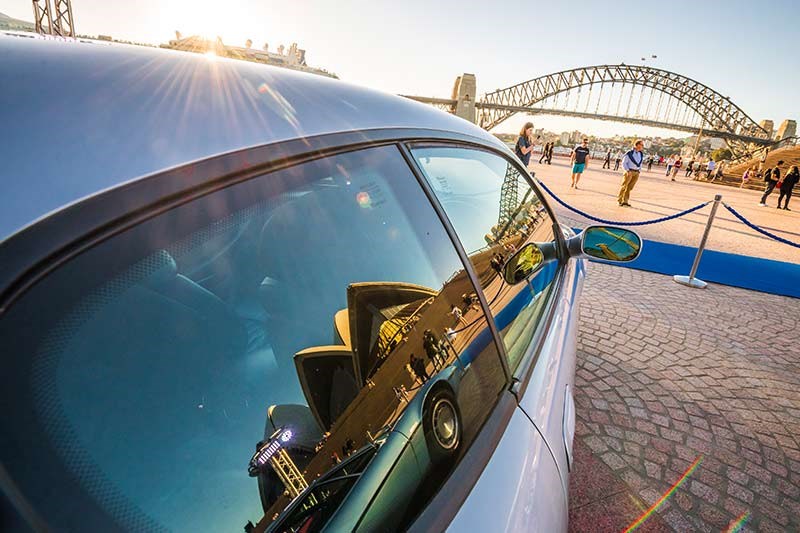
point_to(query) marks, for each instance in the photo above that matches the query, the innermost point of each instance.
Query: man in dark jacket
(771, 176)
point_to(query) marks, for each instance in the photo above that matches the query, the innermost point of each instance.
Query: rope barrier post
(691, 280)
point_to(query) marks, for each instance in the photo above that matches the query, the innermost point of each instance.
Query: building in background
(292, 57)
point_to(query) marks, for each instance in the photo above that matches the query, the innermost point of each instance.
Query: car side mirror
(523, 263)
(608, 243)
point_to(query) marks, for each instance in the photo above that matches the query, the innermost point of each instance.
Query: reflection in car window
(495, 212)
(209, 366)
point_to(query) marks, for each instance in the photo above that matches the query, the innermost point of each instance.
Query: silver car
(241, 298)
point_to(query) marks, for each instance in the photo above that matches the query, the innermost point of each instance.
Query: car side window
(295, 350)
(495, 212)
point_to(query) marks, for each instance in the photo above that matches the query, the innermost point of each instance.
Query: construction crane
(56, 20)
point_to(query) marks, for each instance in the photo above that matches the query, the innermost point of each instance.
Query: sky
(746, 50)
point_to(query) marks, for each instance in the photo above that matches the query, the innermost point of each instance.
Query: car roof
(88, 116)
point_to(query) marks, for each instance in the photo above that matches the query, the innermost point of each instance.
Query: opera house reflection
(396, 350)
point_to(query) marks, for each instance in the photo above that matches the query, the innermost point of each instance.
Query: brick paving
(666, 374)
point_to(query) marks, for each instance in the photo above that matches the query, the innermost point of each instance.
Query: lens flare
(639, 521)
(364, 200)
(738, 523)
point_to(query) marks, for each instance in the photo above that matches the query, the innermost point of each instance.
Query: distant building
(565, 138)
(293, 57)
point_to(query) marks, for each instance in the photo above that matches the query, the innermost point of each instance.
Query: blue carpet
(774, 277)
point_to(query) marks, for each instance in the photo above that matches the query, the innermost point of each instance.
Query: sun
(207, 18)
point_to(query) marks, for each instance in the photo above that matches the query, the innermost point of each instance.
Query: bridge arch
(718, 113)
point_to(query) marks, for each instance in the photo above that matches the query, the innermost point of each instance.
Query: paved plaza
(655, 196)
(666, 375)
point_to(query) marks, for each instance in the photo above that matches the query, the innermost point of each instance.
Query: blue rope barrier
(617, 223)
(762, 231)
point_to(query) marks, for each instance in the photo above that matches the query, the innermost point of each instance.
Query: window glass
(303, 334)
(495, 212)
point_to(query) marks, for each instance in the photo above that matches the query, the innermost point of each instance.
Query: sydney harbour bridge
(622, 93)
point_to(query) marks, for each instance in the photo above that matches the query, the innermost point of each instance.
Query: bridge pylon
(55, 18)
(464, 91)
(41, 16)
(63, 24)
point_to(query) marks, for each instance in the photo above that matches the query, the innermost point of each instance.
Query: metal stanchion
(690, 280)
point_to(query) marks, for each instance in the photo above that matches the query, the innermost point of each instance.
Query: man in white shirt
(632, 163)
(710, 169)
(670, 162)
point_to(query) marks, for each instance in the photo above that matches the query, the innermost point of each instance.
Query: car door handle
(568, 424)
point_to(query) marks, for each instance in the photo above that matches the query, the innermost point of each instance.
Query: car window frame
(520, 377)
(48, 244)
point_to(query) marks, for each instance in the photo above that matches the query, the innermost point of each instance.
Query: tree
(721, 154)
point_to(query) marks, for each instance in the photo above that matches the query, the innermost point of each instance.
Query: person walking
(786, 186)
(579, 159)
(617, 160)
(650, 163)
(771, 176)
(458, 315)
(746, 177)
(544, 152)
(607, 160)
(670, 162)
(689, 168)
(524, 145)
(632, 163)
(719, 173)
(710, 169)
(676, 166)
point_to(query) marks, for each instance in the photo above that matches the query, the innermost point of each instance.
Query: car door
(495, 211)
(202, 365)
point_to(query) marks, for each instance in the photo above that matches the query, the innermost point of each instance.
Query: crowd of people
(633, 160)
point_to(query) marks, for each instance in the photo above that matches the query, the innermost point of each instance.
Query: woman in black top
(789, 181)
(524, 145)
